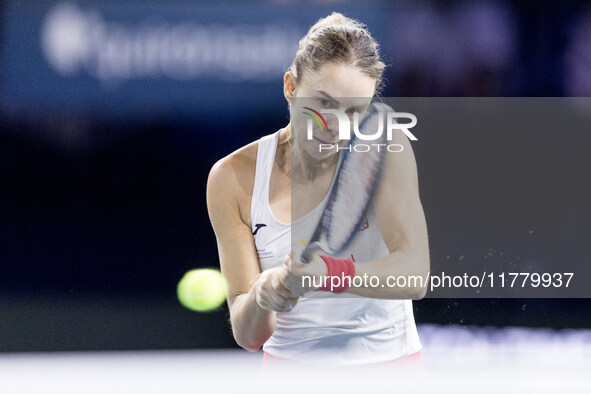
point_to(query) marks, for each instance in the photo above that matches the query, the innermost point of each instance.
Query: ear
(289, 85)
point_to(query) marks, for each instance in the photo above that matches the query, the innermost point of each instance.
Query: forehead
(340, 80)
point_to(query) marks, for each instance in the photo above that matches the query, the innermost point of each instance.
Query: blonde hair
(338, 39)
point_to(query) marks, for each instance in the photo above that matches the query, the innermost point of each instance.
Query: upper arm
(238, 258)
(398, 207)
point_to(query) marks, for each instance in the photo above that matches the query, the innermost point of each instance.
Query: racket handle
(306, 256)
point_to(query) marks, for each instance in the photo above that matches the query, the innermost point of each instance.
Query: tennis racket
(352, 192)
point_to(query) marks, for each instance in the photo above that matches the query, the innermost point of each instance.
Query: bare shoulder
(401, 166)
(230, 182)
(236, 169)
(398, 206)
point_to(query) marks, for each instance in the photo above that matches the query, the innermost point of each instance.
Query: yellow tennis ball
(202, 289)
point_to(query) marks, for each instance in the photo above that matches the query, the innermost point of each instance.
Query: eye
(325, 103)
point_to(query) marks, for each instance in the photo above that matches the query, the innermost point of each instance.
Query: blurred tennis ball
(202, 289)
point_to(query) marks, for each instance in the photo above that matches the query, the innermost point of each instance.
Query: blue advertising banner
(154, 58)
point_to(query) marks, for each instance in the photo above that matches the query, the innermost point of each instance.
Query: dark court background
(112, 114)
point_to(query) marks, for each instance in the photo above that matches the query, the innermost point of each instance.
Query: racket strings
(356, 183)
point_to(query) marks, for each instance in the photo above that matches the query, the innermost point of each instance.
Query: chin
(313, 150)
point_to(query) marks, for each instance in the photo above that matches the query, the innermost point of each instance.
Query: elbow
(249, 344)
(250, 348)
(418, 293)
(250, 332)
(414, 292)
(251, 340)
(418, 282)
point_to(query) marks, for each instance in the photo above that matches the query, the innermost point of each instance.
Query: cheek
(299, 123)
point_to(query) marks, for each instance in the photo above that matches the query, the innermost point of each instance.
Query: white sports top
(325, 328)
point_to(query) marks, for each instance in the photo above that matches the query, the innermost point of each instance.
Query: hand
(270, 293)
(303, 278)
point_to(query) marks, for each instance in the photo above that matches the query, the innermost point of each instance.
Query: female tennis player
(251, 197)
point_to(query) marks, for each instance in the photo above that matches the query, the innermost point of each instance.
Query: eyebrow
(328, 96)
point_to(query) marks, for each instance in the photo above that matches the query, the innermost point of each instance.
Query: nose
(332, 132)
(332, 126)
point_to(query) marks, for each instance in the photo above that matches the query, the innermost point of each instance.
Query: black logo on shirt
(258, 226)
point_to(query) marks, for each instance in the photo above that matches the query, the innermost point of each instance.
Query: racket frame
(319, 239)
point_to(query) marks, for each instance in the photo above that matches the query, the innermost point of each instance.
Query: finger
(277, 300)
(278, 284)
(289, 305)
(262, 303)
(293, 284)
(273, 291)
(267, 298)
(289, 281)
(286, 292)
(268, 303)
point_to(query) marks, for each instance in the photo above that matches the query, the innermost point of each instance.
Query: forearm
(251, 325)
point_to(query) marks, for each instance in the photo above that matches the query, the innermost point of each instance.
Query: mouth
(325, 142)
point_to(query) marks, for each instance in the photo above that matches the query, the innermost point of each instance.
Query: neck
(297, 163)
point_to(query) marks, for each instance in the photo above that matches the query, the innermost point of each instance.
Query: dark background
(103, 173)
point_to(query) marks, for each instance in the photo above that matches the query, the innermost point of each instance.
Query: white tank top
(324, 328)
